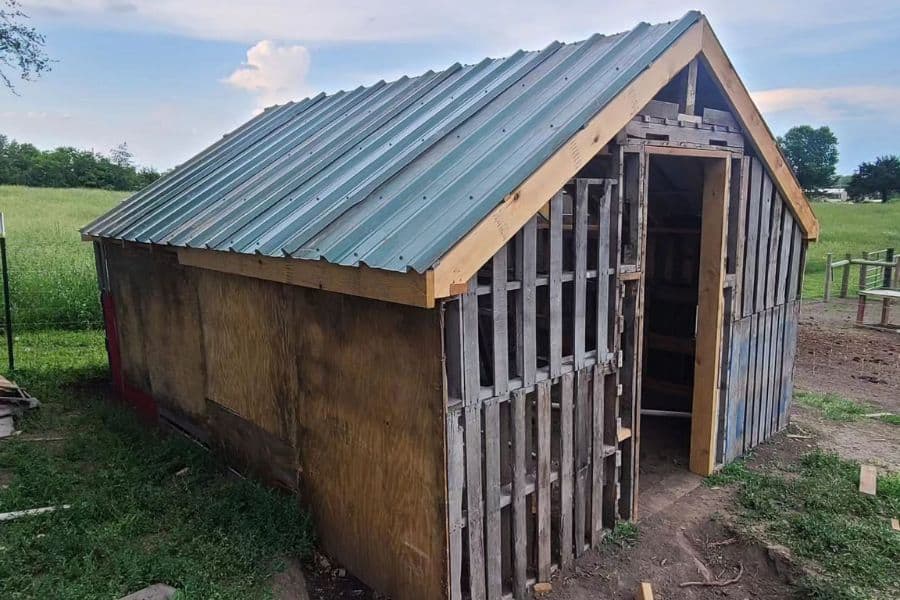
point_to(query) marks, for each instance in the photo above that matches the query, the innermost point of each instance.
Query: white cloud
(835, 103)
(275, 73)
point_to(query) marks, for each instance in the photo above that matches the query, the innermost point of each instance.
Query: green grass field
(52, 275)
(853, 228)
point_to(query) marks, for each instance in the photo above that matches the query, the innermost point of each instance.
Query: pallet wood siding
(764, 327)
(263, 368)
(531, 365)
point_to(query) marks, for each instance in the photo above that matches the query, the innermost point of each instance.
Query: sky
(170, 77)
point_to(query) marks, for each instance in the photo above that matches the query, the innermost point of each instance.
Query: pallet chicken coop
(453, 312)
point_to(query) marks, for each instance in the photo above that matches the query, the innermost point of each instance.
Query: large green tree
(881, 177)
(21, 46)
(812, 154)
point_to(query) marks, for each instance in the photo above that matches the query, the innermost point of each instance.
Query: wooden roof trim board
(476, 248)
(759, 134)
(415, 289)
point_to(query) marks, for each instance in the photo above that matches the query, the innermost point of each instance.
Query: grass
(843, 537)
(853, 228)
(52, 275)
(838, 408)
(133, 521)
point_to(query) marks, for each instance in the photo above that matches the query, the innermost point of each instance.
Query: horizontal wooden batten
(414, 289)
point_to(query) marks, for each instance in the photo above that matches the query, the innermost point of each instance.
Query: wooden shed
(441, 309)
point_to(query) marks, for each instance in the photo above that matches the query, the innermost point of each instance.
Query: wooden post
(861, 303)
(887, 278)
(845, 278)
(828, 258)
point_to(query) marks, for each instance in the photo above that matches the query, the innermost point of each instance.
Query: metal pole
(7, 311)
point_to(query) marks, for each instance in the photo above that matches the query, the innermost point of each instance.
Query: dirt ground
(684, 526)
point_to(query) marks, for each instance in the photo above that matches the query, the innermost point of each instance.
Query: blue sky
(171, 76)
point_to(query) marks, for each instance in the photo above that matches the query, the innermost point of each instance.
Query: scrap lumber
(157, 591)
(645, 592)
(17, 514)
(868, 478)
(895, 524)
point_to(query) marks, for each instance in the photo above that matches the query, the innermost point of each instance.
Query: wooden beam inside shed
(414, 289)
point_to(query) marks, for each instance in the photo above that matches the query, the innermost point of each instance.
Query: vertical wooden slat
(778, 396)
(528, 262)
(455, 484)
(737, 392)
(774, 250)
(751, 238)
(566, 405)
(790, 354)
(738, 204)
(769, 375)
(472, 412)
(582, 442)
(499, 310)
(603, 264)
(555, 292)
(492, 542)
(519, 509)
(544, 426)
(751, 383)
(762, 255)
(581, 212)
(597, 427)
(796, 264)
(784, 256)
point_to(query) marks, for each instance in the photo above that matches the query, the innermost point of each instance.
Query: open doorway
(686, 204)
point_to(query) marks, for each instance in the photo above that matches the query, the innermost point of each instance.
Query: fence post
(845, 278)
(888, 275)
(7, 311)
(828, 261)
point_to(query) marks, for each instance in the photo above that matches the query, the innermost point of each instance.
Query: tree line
(24, 164)
(813, 156)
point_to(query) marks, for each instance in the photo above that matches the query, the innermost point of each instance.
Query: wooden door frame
(711, 300)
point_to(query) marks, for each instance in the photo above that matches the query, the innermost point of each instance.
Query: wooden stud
(555, 292)
(519, 509)
(455, 483)
(544, 425)
(597, 458)
(566, 402)
(492, 542)
(472, 414)
(705, 407)
(581, 213)
(499, 320)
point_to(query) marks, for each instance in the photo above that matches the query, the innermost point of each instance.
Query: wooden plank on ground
(519, 510)
(868, 480)
(567, 470)
(555, 292)
(492, 543)
(646, 591)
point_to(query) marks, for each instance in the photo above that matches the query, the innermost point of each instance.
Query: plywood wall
(338, 397)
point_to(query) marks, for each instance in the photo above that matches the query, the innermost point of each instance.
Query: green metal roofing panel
(391, 175)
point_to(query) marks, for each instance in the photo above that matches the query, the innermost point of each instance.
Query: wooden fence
(877, 269)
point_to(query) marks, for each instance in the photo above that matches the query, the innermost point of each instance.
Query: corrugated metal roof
(390, 175)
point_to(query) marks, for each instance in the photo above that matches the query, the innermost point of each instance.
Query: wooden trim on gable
(758, 133)
(411, 288)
